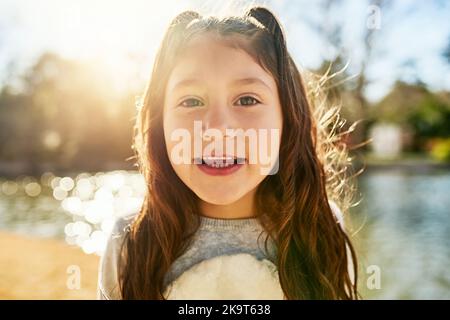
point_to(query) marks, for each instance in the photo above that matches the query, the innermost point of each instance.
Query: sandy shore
(33, 268)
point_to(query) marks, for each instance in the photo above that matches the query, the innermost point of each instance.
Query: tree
(68, 115)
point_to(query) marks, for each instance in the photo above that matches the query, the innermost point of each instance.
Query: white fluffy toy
(240, 276)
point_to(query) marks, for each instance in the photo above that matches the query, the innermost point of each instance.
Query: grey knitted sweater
(215, 237)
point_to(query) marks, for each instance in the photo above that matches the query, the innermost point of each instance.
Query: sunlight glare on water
(94, 202)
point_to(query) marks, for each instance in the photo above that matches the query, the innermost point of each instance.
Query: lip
(219, 171)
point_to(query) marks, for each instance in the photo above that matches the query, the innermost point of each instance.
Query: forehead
(216, 59)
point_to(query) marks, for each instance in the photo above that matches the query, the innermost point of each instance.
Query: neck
(242, 208)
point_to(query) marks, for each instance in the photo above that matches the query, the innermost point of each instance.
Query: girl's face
(221, 88)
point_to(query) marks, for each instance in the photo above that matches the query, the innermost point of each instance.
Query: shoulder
(108, 280)
(337, 213)
(340, 219)
(121, 226)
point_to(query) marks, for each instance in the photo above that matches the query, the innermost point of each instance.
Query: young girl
(219, 226)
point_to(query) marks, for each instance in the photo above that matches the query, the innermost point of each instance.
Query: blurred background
(69, 75)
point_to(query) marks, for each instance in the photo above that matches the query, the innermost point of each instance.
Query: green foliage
(431, 118)
(414, 106)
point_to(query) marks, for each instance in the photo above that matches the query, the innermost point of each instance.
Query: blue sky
(123, 35)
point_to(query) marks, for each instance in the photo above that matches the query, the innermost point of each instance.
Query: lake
(401, 225)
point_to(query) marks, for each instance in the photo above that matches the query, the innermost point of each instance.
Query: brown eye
(247, 101)
(191, 102)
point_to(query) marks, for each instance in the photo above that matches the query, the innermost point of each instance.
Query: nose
(218, 117)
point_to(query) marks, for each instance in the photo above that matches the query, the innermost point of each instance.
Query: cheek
(265, 153)
(265, 117)
(182, 170)
(178, 137)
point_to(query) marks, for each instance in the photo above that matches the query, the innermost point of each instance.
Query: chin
(221, 198)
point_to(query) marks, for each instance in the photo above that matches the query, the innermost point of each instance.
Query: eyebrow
(186, 83)
(247, 81)
(244, 81)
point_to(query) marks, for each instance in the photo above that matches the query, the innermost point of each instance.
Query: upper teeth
(219, 162)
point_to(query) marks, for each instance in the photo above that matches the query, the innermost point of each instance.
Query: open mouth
(219, 165)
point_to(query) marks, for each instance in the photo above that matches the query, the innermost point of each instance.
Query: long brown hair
(313, 251)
